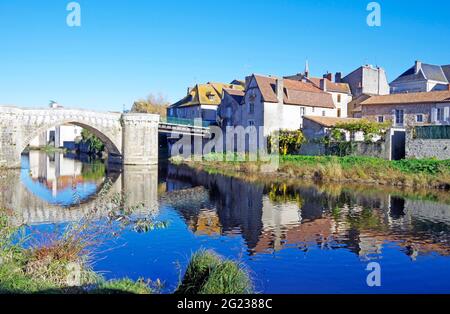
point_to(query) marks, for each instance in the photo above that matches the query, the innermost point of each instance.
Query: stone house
(277, 103)
(422, 77)
(229, 106)
(202, 101)
(367, 79)
(340, 92)
(411, 109)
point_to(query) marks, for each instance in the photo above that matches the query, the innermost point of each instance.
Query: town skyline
(110, 61)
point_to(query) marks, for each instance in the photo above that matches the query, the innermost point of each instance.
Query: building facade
(201, 102)
(412, 109)
(280, 104)
(422, 77)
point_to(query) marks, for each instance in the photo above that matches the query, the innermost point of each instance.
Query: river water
(293, 238)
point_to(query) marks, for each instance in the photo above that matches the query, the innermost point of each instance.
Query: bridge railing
(185, 122)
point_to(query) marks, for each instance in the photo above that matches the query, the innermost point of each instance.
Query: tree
(289, 141)
(153, 104)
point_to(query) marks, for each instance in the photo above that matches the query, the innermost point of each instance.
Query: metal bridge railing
(185, 122)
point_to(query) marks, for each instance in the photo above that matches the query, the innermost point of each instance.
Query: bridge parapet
(131, 138)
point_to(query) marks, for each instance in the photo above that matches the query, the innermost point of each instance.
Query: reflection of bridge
(131, 138)
(138, 184)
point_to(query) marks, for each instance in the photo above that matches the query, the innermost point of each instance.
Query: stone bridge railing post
(140, 139)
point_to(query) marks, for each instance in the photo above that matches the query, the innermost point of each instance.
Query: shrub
(208, 273)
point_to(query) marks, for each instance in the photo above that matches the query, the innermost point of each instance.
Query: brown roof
(331, 86)
(295, 93)
(409, 98)
(330, 121)
(235, 92)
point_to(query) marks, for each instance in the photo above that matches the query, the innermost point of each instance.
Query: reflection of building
(56, 171)
(304, 216)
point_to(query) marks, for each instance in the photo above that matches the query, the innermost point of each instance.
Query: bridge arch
(105, 136)
(130, 138)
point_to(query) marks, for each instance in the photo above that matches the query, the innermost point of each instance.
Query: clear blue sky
(125, 50)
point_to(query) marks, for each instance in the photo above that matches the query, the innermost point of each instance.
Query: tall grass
(208, 273)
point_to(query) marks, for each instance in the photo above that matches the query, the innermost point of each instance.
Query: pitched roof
(409, 98)
(446, 69)
(331, 86)
(426, 72)
(330, 121)
(205, 94)
(236, 94)
(295, 92)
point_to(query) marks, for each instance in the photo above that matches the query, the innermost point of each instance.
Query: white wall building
(280, 104)
(422, 77)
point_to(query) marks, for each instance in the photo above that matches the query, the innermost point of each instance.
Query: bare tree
(153, 104)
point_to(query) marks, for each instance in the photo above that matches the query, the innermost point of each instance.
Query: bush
(207, 273)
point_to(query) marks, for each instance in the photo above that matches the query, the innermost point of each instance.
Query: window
(339, 113)
(251, 108)
(440, 114)
(419, 118)
(251, 122)
(399, 116)
(380, 119)
(302, 111)
(324, 113)
(313, 109)
(339, 98)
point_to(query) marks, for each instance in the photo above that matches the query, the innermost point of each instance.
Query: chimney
(279, 86)
(328, 76)
(418, 66)
(323, 84)
(338, 77)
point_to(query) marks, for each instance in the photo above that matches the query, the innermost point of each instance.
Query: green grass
(208, 273)
(122, 286)
(424, 173)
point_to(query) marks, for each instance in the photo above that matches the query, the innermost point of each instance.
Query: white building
(60, 136)
(280, 104)
(422, 77)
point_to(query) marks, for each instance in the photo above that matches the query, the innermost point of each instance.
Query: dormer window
(210, 96)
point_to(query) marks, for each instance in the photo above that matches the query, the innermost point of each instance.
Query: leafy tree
(289, 141)
(96, 146)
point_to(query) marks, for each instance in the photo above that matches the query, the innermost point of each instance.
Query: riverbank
(362, 170)
(61, 264)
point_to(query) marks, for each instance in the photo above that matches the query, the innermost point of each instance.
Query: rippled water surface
(294, 238)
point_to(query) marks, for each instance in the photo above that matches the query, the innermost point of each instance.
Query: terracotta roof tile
(330, 121)
(409, 98)
(296, 93)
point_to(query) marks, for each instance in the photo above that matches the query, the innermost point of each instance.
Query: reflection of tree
(94, 171)
(281, 193)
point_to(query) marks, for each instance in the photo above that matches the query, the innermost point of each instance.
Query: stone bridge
(130, 138)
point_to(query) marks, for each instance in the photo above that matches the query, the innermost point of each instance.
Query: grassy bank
(61, 264)
(427, 173)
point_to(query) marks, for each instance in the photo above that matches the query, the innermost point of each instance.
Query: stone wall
(426, 148)
(378, 150)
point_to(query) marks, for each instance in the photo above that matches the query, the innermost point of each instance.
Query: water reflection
(295, 237)
(60, 180)
(272, 217)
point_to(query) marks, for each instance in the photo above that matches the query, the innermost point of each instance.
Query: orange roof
(409, 98)
(330, 121)
(295, 93)
(331, 86)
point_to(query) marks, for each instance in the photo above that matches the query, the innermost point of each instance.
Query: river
(293, 238)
